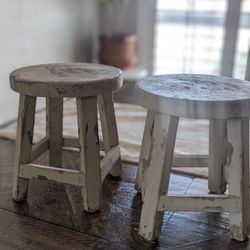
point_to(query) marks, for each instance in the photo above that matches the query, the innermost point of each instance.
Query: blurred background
(142, 37)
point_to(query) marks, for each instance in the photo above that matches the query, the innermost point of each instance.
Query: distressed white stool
(90, 84)
(226, 103)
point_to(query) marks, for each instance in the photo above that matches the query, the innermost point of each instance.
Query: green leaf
(103, 2)
(106, 2)
(126, 1)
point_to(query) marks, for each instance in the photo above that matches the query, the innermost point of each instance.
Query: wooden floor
(52, 217)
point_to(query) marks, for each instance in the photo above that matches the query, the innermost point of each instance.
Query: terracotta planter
(118, 51)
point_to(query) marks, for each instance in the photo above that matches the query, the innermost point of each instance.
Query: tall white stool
(92, 85)
(226, 103)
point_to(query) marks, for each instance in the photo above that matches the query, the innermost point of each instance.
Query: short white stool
(90, 84)
(226, 103)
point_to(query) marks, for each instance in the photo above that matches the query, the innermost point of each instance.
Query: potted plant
(116, 47)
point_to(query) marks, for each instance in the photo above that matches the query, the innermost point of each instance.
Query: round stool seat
(195, 96)
(65, 80)
(92, 86)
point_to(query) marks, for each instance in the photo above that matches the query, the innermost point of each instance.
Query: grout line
(173, 212)
(189, 186)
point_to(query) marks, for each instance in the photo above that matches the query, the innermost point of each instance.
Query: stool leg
(109, 128)
(238, 163)
(217, 156)
(157, 173)
(24, 140)
(54, 129)
(89, 152)
(145, 150)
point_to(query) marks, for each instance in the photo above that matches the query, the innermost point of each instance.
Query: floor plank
(21, 232)
(116, 225)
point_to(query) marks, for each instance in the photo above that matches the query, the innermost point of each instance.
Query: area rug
(192, 135)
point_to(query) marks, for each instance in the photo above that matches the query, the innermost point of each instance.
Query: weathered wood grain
(157, 173)
(217, 156)
(195, 96)
(238, 162)
(89, 152)
(24, 140)
(145, 151)
(209, 203)
(56, 81)
(54, 129)
(109, 128)
(65, 80)
(61, 175)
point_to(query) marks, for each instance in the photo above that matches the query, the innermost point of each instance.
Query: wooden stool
(89, 84)
(226, 102)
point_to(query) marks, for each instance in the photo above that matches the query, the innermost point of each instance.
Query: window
(243, 42)
(190, 37)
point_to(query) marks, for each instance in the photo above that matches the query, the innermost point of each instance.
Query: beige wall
(33, 32)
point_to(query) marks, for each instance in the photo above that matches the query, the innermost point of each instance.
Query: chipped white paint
(55, 81)
(24, 139)
(61, 175)
(195, 96)
(217, 156)
(206, 203)
(109, 129)
(89, 152)
(157, 173)
(238, 162)
(144, 154)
